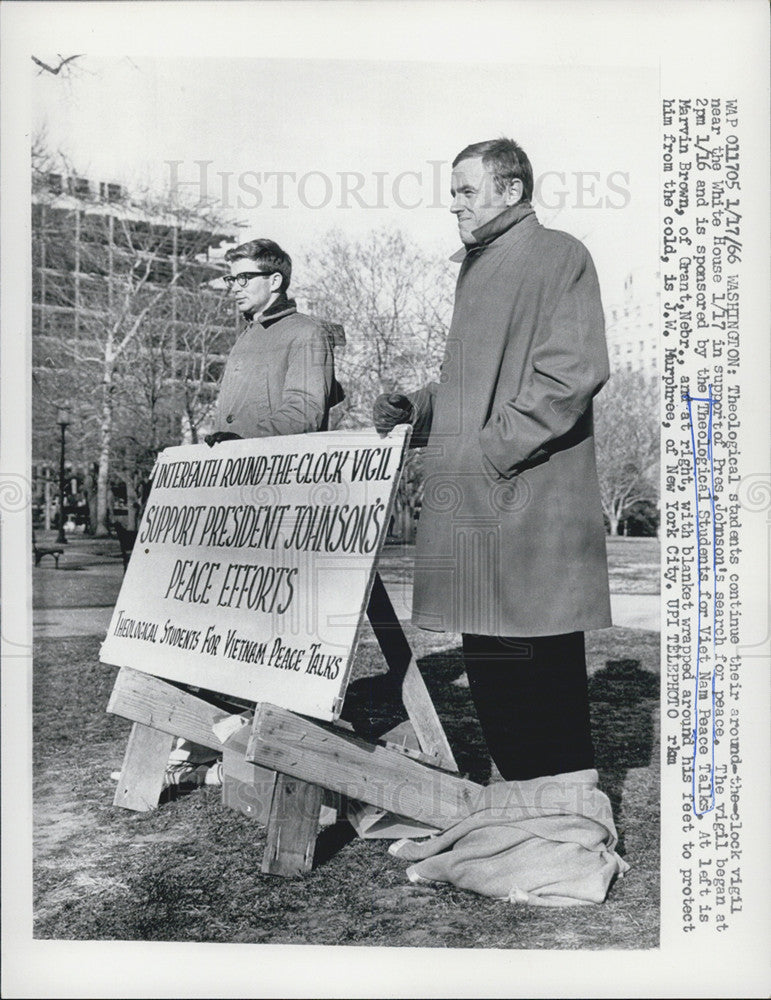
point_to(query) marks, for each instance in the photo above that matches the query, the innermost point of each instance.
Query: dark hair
(264, 252)
(505, 160)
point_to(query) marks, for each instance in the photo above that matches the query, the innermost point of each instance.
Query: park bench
(126, 539)
(38, 551)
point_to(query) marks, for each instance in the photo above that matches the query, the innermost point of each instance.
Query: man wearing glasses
(280, 374)
(279, 379)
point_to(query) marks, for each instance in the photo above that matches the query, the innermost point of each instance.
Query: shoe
(214, 774)
(186, 773)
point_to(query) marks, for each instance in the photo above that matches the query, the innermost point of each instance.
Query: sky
(361, 144)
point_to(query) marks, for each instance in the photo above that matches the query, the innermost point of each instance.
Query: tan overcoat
(511, 540)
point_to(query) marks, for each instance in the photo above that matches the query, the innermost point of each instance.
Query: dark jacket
(279, 377)
(511, 539)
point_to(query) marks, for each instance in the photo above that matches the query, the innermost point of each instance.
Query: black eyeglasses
(244, 277)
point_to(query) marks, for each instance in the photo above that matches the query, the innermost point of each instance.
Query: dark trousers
(532, 700)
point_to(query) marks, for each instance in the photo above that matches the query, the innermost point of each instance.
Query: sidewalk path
(60, 623)
(636, 611)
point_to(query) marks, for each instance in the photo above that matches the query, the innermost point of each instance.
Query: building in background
(125, 330)
(632, 325)
(626, 411)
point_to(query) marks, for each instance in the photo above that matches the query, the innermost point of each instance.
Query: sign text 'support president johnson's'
(252, 563)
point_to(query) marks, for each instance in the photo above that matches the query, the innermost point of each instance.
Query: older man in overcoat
(511, 539)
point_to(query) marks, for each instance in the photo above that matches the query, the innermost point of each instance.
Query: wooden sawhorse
(284, 767)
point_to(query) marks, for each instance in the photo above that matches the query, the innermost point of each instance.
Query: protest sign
(253, 565)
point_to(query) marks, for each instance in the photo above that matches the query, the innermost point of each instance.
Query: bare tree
(205, 336)
(627, 439)
(394, 302)
(109, 273)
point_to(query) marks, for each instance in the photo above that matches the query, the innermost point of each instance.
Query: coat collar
(281, 307)
(496, 227)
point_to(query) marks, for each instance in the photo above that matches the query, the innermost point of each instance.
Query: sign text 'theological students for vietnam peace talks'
(252, 563)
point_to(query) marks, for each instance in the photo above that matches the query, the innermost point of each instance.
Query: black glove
(212, 439)
(390, 409)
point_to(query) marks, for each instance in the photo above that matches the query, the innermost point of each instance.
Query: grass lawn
(633, 565)
(190, 871)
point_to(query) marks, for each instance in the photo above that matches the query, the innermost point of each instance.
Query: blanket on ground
(549, 841)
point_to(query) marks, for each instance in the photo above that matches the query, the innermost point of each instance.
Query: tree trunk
(131, 502)
(105, 442)
(47, 503)
(613, 519)
(406, 526)
(92, 480)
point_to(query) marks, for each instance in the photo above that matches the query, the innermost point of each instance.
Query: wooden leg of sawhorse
(160, 711)
(144, 765)
(404, 669)
(289, 807)
(247, 788)
(293, 826)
